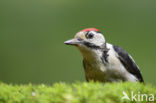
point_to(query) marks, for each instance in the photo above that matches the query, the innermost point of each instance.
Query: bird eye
(89, 35)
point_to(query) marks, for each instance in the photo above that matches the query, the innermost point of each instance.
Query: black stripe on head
(91, 45)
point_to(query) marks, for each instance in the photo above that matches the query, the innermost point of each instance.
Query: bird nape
(103, 61)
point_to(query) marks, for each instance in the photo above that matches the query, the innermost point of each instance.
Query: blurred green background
(32, 33)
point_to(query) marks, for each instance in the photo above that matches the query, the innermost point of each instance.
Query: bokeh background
(32, 33)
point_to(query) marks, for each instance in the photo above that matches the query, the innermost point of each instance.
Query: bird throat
(95, 52)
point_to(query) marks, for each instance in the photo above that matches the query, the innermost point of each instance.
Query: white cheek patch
(98, 39)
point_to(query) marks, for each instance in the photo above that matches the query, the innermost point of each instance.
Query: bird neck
(105, 53)
(93, 55)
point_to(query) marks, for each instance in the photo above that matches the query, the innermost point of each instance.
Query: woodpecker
(103, 61)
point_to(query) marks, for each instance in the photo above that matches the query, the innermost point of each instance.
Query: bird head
(90, 38)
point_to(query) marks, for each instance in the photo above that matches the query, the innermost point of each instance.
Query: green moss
(73, 93)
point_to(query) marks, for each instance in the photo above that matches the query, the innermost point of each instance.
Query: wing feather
(128, 63)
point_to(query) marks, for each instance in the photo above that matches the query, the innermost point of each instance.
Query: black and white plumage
(103, 61)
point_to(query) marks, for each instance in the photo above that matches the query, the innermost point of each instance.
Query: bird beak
(72, 42)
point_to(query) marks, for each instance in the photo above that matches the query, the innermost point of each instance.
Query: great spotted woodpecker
(102, 61)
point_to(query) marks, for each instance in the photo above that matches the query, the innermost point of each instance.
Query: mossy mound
(77, 93)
